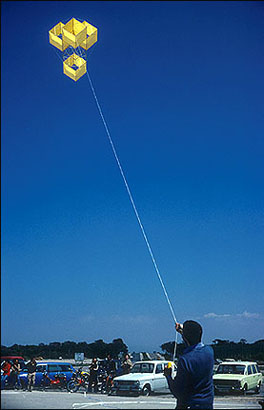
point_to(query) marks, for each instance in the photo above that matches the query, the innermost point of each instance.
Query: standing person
(15, 369)
(6, 366)
(93, 379)
(31, 366)
(193, 385)
(126, 365)
(110, 368)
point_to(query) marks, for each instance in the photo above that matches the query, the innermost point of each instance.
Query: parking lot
(63, 400)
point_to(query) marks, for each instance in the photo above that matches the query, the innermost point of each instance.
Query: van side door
(53, 369)
(40, 369)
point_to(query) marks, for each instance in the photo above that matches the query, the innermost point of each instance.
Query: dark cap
(192, 331)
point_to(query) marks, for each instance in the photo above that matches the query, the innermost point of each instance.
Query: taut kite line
(73, 39)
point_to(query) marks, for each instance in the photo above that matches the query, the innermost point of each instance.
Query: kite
(74, 39)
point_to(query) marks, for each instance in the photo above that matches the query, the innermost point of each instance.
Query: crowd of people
(11, 370)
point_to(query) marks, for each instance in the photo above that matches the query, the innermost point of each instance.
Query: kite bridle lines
(133, 205)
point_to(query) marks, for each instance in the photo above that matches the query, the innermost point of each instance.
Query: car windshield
(230, 369)
(142, 368)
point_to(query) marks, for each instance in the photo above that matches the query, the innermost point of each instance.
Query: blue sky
(181, 86)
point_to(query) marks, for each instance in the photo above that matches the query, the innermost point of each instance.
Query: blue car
(52, 368)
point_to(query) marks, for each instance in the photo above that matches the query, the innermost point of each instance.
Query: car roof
(152, 361)
(244, 363)
(49, 362)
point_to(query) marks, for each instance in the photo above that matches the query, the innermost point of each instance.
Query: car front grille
(228, 383)
(127, 383)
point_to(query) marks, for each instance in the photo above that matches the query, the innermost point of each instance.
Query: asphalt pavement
(63, 400)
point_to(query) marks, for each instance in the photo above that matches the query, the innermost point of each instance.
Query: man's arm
(178, 384)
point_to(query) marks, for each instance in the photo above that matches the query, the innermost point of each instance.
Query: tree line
(224, 349)
(67, 349)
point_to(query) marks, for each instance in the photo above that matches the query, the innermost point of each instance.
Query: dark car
(51, 368)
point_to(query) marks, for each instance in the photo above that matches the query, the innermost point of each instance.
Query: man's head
(192, 332)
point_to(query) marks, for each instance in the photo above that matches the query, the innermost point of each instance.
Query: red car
(11, 359)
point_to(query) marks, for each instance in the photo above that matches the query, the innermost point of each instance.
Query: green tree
(117, 346)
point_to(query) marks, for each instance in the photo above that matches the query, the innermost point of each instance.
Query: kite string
(135, 209)
(132, 200)
(136, 212)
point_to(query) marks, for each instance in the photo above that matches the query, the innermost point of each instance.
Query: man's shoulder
(205, 349)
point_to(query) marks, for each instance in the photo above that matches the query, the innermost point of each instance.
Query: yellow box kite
(73, 39)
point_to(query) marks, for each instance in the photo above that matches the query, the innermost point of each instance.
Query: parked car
(144, 378)
(51, 368)
(237, 376)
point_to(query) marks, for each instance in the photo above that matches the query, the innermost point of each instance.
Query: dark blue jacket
(193, 385)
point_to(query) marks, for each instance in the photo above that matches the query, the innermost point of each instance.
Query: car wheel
(244, 390)
(146, 390)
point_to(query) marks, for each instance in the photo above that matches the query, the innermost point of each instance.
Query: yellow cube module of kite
(74, 67)
(74, 39)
